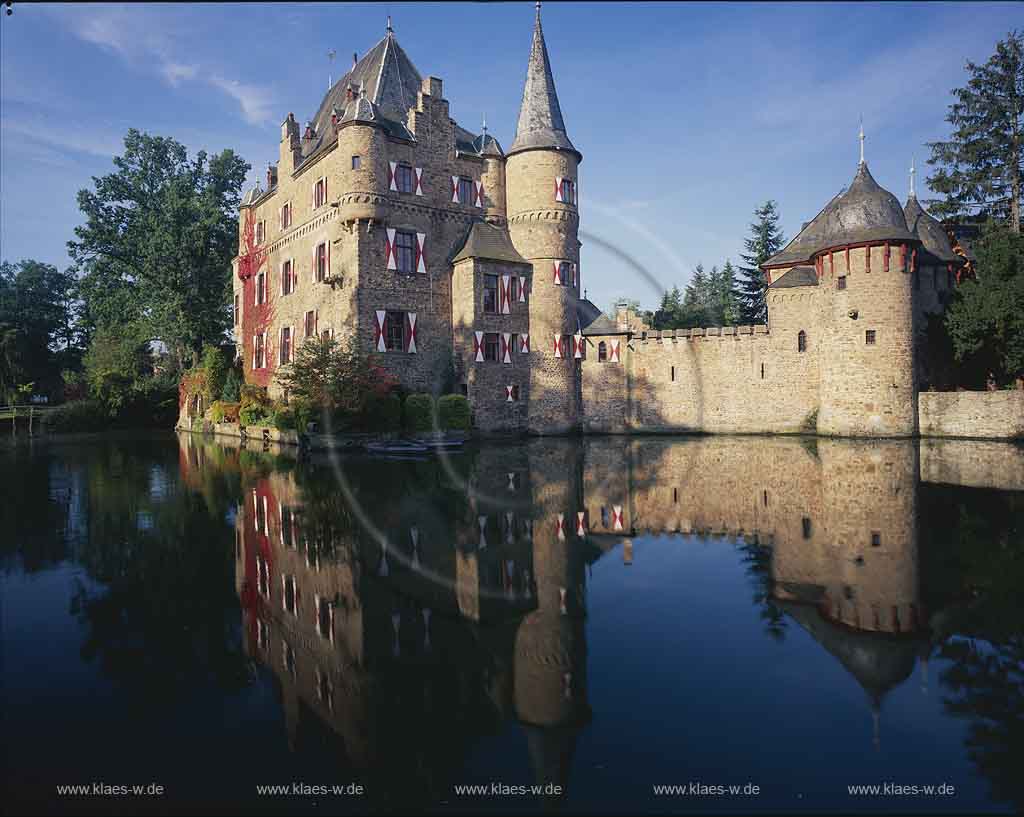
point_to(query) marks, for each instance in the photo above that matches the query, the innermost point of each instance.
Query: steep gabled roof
(934, 240)
(391, 83)
(489, 242)
(540, 116)
(593, 321)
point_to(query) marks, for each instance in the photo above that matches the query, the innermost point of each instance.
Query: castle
(459, 263)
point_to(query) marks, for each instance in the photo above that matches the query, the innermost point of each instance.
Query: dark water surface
(604, 616)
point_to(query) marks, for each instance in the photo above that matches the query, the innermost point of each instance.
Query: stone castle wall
(991, 414)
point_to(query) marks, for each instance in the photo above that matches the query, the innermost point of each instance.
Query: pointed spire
(861, 138)
(389, 29)
(913, 194)
(540, 116)
(483, 127)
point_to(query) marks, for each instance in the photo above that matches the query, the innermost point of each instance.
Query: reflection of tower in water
(851, 578)
(407, 670)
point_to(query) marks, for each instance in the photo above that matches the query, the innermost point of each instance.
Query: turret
(540, 178)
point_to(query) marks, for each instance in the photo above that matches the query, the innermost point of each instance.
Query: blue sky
(688, 115)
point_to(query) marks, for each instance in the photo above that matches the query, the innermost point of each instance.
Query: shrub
(284, 419)
(382, 413)
(223, 411)
(453, 412)
(305, 413)
(78, 415)
(216, 366)
(419, 412)
(254, 414)
(232, 391)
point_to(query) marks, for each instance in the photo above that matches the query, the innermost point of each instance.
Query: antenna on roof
(861, 137)
(912, 171)
(330, 74)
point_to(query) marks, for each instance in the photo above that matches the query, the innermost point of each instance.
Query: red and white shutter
(421, 265)
(613, 357)
(281, 276)
(508, 394)
(560, 527)
(478, 188)
(558, 188)
(617, 517)
(556, 277)
(577, 346)
(327, 272)
(419, 180)
(389, 248)
(524, 344)
(378, 331)
(558, 346)
(506, 294)
(506, 347)
(522, 289)
(254, 353)
(478, 346)
(324, 190)
(581, 523)
(410, 320)
(392, 167)
(575, 277)
(455, 189)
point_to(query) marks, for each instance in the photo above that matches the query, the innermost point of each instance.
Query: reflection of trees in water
(976, 572)
(757, 562)
(164, 610)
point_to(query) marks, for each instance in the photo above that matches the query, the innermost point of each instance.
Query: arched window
(602, 352)
(801, 341)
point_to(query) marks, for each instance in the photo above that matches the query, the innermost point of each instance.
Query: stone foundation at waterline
(981, 414)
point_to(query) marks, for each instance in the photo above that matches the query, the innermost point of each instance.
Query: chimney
(309, 131)
(271, 176)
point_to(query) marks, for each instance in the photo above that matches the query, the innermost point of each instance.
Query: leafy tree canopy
(157, 243)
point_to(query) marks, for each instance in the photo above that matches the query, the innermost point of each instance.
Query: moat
(603, 615)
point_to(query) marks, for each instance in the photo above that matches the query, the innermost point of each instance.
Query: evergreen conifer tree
(765, 240)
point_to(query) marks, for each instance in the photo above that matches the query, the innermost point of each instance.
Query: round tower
(364, 170)
(493, 177)
(540, 182)
(863, 255)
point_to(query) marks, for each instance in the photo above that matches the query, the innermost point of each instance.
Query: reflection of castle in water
(464, 612)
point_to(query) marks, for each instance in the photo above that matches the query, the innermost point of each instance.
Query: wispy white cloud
(150, 40)
(254, 100)
(29, 130)
(175, 72)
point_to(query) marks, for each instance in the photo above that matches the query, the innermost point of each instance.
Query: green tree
(727, 306)
(986, 317)
(116, 363)
(157, 243)
(765, 240)
(38, 335)
(980, 167)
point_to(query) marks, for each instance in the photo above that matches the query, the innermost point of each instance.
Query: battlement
(675, 335)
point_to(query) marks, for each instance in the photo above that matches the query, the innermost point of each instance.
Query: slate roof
(797, 277)
(489, 242)
(863, 212)
(593, 321)
(933, 236)
(540, 116)
(391, 83)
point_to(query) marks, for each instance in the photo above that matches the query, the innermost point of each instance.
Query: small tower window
(801, 341)
(602, 352)
(672, 373)
(805, 523)
(869, 337)
(876, 539)
(357, 162)
(762, 371)
(841, 282)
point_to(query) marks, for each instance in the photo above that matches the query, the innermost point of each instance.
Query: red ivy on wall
(256, 318)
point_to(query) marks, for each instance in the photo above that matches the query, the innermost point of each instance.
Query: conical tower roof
(540, 116)
(864, 212)
(932, 235)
